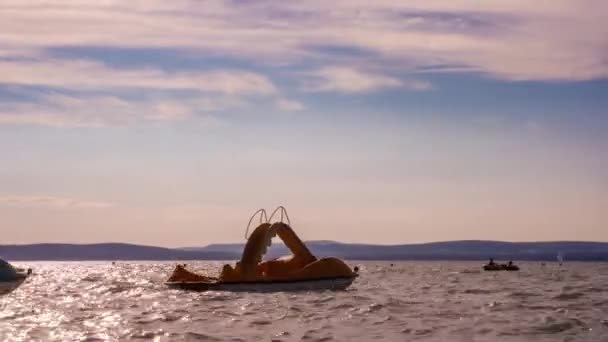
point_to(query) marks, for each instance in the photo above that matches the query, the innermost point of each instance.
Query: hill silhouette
(448, 250)
(104, 251)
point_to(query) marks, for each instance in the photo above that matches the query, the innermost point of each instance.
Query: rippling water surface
(408, 301)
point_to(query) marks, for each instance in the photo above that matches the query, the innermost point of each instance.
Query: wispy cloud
(367, 47)
(79, 74)
(349, 80)
(289, 105)
(557, 40)
(59, 110)
(51, 202)
(90, 93)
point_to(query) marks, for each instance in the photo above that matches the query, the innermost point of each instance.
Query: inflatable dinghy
(300, 272)
(11, 277)
(500, 267)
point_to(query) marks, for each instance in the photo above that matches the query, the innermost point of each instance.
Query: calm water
(410, 301)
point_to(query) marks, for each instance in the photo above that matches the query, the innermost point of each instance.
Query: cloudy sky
(171, 122)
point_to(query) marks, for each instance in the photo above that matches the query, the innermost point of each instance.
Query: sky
(170, 122)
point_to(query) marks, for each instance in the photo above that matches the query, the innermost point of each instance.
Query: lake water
(409, 301)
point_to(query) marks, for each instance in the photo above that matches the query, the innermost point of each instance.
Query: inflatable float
(11, 277)
(301, 271)
(500, 267)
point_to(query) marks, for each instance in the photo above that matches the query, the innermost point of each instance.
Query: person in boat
(510, 263)
(491, 263)
(180, 273)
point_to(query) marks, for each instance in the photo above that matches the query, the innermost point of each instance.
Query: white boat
(11, 277)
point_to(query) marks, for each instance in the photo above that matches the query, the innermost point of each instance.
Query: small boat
(300, 272)
(500, 267)
(11, 277)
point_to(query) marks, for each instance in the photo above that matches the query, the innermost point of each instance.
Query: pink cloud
(556, 40)
(52, 202)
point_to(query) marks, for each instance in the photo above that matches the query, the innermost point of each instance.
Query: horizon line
(306, 241)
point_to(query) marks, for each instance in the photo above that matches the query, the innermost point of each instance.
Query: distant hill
(449, 250)
(105, 251)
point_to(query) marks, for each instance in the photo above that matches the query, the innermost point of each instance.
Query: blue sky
(383, 122)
